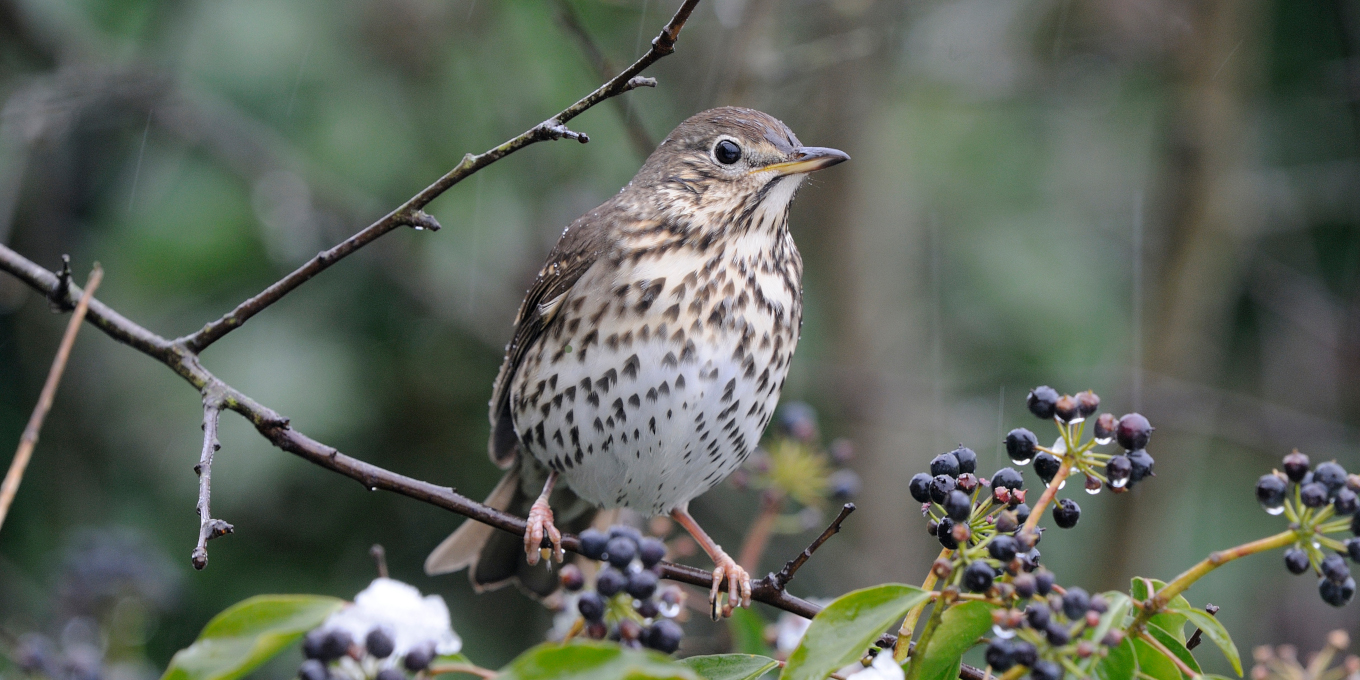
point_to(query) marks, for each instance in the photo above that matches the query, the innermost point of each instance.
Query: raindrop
(1119, 483)
(1062, 485)
(1275, 511)
(372, 488)
(668, 610)
(1092, 491)
(418, 227)
(1021, 462)
(1075, 421)
(1060, 446)
(1104, 440)
(1003, 633)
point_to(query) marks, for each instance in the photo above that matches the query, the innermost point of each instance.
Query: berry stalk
(909, 623)
(1213, 561)
(1049, 494)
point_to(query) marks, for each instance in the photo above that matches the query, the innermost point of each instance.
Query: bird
(649, 353)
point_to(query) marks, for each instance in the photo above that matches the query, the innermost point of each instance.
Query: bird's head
(730, 166)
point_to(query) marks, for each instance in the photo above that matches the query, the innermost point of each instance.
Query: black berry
(1021, 444)
(571, 577)
(967, 459)
(1334, 594)
(620, 551)
(1000, 654)
(648, 609)
(389, 674)
(1003, 548)
(1042, 401)
(958, 506)
(1335, 570)
(1119, 470)
(1021, 513)
(642, 583)
(1270, 490)
(379, 643)
(1296, 561)
(312, 643)
(977, 577)
(591, 606)
(1057, 634)
(419, 658)
(1099, 604)
(335, 645)
(1105, 427)
(1038, 614)
(1006, 522)
(593, 542)
(1024, 585)
(1066, 513)
(1330, 475)
(1046, 670)
(1133, 431)
(920, 487)
(1046, 466)
(1353, 549)
(663, 636)
(618, 530)
(944, 464)
(940, 487)
(1345, 502)
(1007, 478)
(945, 533)
(1296, 466)
(1075, 603)
(650, 551)
(1355, 524)
(1142, 466)
(1087, 403)
(1313, 495)
(1043, 582)
(610, 581)
(1030, 560)
(1065, 408)
(1025, 653)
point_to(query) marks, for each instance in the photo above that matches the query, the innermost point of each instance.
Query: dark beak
(807, 159)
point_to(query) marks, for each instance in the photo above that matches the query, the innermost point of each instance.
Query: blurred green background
(1155, 199)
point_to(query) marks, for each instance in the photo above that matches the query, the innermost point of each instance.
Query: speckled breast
(658, 374)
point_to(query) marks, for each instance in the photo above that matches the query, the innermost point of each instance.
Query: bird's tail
(496, 557)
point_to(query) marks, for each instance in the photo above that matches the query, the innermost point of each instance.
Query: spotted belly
(647, 399)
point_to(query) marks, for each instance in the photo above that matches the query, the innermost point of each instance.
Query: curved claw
(540, 528)
(738, 587)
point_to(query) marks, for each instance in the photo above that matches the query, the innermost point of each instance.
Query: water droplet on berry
(1275, 511)
(669, 610)
(1060, 446)
(1022, 462)
(1003, 633)
(1092, 491)
(1062, 485)
(1119, 483)
(418, 228)
(1104, 440)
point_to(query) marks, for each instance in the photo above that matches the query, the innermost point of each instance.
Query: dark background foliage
(1155, 199)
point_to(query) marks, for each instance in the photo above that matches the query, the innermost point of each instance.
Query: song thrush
(649, 353)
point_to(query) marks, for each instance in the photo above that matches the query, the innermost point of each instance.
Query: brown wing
(578, 248)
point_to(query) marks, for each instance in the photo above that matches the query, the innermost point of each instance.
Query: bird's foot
(541, 537)
(738, 586)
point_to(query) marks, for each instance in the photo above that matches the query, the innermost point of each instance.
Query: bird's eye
(727, 152)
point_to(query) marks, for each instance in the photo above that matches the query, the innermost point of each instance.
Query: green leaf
(1120, 606)
(731, 666)
(1120, 664)
(1153, 663)
(1214, 630)
(1171, 623)
(593, 661)
(841, 632)
(959, 629)
(248, 634)
(1175, 646)
(748, 632)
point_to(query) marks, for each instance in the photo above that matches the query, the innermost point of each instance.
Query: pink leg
(726, 568)
(540, 526)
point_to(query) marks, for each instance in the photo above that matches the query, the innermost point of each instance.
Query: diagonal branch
(780, 580)
(412, 211)
(29, 439)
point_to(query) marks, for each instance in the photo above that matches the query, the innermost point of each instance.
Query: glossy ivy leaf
(959, 629)
(1120, 664)
(748, 632)
(1214, 630)
(593, 661)
(1175, 646)
(1173, 623)
(449, 659)
(731, 666)
(840, 633)
(1153, 663)
(248, 634)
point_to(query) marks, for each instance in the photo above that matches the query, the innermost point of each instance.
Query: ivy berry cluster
(1317, 501)
(1056, 626)
(334, 653)
(627, 605)
(976, 517)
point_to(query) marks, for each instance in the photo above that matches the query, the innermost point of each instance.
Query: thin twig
(379, 556)
(781, 580)
(29, 439)
(410, 212)
(208, 528)
(1196, 637)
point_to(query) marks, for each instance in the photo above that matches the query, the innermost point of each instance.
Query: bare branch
(208, 528)
(642, 141)
(553, 128)
(780, 580)
(29, 439)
